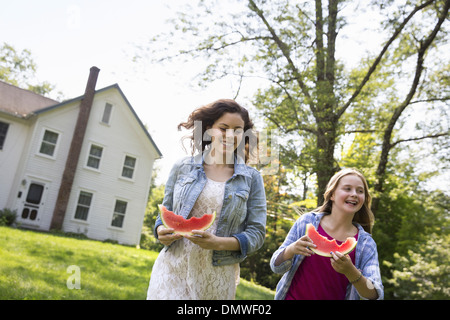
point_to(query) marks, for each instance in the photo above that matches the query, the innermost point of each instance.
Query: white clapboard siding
(11, 158)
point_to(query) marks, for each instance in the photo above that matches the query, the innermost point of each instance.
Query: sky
(67, 38)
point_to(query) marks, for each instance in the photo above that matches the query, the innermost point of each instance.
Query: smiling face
(349, 195)
(226, 133)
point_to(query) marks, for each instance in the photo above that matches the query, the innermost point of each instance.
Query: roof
(20, 102)
(24, 104)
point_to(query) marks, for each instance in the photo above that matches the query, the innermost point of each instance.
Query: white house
(106, 195)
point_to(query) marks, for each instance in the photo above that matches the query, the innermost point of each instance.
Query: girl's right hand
(298, 247)
(166, 236)
(301, 246)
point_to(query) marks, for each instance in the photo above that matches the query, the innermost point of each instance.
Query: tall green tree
(312, 96)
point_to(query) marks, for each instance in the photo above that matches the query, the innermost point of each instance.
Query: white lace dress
(185, 271)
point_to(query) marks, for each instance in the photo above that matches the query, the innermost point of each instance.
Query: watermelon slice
(325, 246)
(185, 226)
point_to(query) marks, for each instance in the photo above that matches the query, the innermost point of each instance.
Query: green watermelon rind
(327, 254)
(161, 208)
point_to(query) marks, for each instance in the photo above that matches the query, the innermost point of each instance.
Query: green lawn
(34, 265)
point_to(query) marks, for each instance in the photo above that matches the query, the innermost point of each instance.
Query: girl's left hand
(341, 263)
(203, 239)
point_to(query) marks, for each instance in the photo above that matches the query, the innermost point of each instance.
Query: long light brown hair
(363, 216)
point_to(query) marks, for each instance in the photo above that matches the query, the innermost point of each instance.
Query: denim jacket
(243, 214)
(366, 258)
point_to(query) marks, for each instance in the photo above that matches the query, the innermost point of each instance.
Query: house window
(84, 203)
(48, 144)
(3, 130)
(128, 167)
(119, 214)
(95, 154)
(107, 113)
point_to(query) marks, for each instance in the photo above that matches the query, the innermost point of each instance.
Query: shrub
(7, 217)
(423, 273)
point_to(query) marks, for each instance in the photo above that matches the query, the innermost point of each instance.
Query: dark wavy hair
(208, 115)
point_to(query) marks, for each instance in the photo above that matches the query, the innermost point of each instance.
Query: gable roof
(20, 102)
(25, 104)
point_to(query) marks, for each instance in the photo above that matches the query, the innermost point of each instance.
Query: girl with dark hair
(345, 213)
(205, 265)
(202, 120)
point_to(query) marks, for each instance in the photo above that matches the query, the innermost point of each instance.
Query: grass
(34, 266)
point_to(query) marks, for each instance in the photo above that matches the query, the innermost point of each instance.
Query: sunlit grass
(34, 265)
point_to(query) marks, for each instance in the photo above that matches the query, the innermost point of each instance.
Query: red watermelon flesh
(185, 226)
(325, 246)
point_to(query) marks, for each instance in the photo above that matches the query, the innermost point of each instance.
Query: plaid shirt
(366, 258)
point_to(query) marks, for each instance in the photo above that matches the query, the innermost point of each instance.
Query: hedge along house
(84, 165)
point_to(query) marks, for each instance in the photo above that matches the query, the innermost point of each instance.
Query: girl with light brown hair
(345, 213)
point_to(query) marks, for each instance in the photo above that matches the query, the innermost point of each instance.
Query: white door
(33, 203)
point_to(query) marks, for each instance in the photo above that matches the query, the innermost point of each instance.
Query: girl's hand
(166, 236)
(342, 263)
(203, 239)
(301, 246)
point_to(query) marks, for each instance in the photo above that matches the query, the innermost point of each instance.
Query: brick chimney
(74, 152)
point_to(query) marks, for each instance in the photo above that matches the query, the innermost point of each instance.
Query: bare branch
(420, 138)
(225, 45)
(387, 145)
(360, 131)
(430, 100)
(241, 77)
(380, 56)
(424, 45)
(285, 51)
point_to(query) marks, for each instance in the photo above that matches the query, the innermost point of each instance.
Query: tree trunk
(326, 142)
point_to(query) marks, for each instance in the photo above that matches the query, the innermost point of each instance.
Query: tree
(148, 241)
(422, 45)
(423, 273)
(312, 97)
(19, 69)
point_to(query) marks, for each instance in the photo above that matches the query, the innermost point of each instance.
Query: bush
(148, 241)
(424, 272)
(7, 217)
